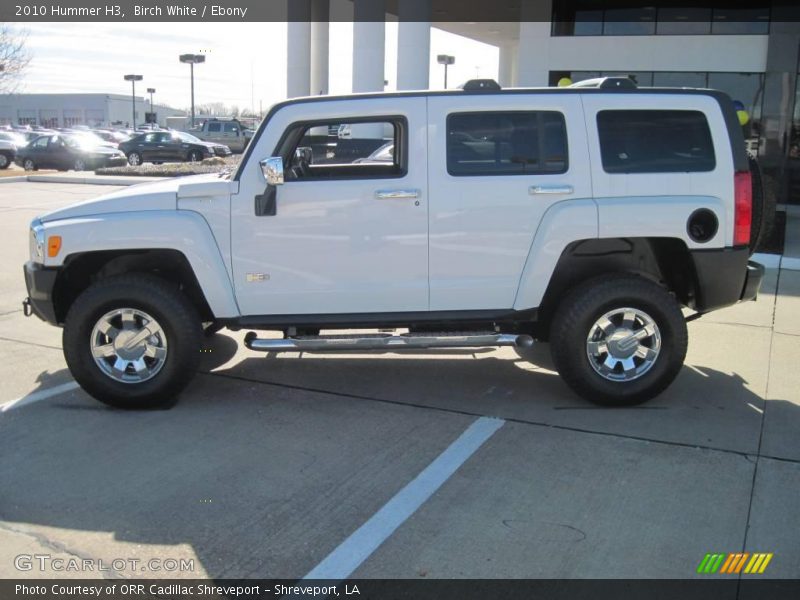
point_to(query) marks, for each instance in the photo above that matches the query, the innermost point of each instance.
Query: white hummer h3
(599, 217)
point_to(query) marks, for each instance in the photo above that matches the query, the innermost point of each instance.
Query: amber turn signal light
(53, 245)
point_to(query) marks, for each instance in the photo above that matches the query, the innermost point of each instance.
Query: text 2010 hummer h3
(585, 216)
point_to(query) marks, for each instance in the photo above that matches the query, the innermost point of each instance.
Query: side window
(230, 127)
(655, 141)
(506, 143)
(150, 138)
(42, 142)
(346, 150)
(214, 127)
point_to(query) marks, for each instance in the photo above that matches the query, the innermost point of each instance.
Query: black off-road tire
(584, 305)
(179, 321)
(764, 205)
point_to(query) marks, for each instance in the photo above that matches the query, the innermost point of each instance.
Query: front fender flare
(184, 231)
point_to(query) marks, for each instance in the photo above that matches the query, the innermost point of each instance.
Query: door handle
(550, 189)
(396, 194)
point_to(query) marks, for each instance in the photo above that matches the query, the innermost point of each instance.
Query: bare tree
(14, 58)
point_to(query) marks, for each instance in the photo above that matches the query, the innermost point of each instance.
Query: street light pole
(192, 59)
(446, 60)
(133, 79)
(151, 91)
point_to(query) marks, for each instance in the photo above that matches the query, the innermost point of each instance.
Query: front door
(346, 233)
(501, 161)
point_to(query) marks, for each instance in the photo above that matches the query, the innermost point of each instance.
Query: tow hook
(27, 309)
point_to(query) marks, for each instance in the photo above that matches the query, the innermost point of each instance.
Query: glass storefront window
(683, 21)
(740, 20)
(630, 21)
(679, 79)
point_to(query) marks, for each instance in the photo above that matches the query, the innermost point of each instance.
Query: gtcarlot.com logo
(46, 562)
(734, 563)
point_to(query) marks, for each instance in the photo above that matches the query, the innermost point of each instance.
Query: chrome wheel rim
(623, 344)
(133, 160)
(128, 345)
(79, 166)
(28, 165)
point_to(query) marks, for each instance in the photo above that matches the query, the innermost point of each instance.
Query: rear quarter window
(655, 141)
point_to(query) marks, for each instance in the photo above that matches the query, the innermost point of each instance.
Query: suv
(585, 216)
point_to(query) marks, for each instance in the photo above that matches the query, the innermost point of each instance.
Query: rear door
(497, 163)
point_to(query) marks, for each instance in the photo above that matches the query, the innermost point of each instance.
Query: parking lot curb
(91, 180)
(108, 180)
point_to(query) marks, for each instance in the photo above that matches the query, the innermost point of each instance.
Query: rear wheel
(28, 164)
(80, 164)
(618, 340)
(132, 341)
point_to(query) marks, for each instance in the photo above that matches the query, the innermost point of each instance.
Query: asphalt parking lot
(269, 464)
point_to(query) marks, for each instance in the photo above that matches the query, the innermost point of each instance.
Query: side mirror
(272, 169)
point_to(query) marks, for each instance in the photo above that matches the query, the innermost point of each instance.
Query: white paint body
(464, 243)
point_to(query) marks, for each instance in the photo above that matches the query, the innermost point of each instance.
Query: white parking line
(347, 557)
(40, 395)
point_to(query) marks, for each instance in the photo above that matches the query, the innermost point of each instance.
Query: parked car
(599, 215)
(10, 143)
(64, 151)
(112, 137)
(229, 132)
(166, 146)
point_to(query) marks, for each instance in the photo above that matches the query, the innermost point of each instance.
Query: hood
(158, 195)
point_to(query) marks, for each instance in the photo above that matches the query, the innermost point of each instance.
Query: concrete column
(533, 53)
(413, 45)
(320, 15)
(509, 53)
(298, 46)
(368, 45)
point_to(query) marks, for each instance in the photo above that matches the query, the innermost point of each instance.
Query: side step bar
(337, 343)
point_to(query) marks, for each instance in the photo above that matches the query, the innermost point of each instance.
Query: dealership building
(68, 110)
(748, 49)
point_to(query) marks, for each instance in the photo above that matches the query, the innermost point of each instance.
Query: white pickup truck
(585, 216)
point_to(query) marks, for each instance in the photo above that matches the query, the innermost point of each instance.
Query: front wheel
(80, 164)
(29, 165)
(132, 341)
(134, 159)
(618, 340)
(195, 156)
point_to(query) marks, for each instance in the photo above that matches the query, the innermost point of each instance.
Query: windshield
(186, 137)
(14, 138)
(85, 139)
(82, 140)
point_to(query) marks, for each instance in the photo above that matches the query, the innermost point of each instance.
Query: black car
(164, 146)
(63, 151)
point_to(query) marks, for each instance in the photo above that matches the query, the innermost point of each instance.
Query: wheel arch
(665, 261)
(81, 270)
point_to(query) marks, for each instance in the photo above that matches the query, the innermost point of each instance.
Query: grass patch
(209, 165)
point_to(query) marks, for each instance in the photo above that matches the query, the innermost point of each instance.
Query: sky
(240, 60)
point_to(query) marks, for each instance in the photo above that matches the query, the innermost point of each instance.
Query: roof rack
(488, 85)
(607, 83)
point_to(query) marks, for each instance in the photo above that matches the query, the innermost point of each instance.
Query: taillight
(742, 207)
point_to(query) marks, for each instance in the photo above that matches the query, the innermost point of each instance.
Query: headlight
(37, 241)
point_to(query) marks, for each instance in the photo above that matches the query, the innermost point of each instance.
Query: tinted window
(655, 141)
(506, 143)
(230, 127)
(214, 127)
(41, 142)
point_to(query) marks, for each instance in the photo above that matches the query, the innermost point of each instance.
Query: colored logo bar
(735, 563)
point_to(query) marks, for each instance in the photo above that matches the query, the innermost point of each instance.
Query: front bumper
(725, 277)
(40, 281)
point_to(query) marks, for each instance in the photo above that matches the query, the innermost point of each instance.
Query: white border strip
(37, 396)
(346, 558)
